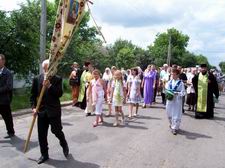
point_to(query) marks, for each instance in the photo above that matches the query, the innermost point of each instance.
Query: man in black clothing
(49, 112)
(6, 87)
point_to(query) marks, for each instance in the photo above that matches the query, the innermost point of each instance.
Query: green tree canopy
(222, 66)
(20, 35)
(159, 49)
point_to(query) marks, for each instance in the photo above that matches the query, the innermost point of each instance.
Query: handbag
(74, 81)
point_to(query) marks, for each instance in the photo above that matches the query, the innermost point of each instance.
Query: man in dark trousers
(6, 87)
(49, 112)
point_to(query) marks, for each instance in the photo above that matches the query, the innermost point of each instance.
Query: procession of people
(115, 87)
(137, 87)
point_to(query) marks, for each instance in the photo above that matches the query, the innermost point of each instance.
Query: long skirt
(174, 111)
(75, 94)
(191, 99)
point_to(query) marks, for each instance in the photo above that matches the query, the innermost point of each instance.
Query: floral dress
(118, 95)
(135, 94)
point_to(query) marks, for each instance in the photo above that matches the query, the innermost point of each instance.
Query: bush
(21, 97)
(66, 86)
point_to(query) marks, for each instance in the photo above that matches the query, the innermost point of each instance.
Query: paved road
(144, 142)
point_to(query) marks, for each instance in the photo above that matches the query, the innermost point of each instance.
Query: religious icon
(73, 11)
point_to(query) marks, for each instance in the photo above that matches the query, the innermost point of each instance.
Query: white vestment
(174, 106)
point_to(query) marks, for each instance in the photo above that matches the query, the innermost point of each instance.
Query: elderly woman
(107, 77)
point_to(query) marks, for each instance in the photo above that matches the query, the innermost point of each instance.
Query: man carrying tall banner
(47, 88)
(49, 112)
(206, 89)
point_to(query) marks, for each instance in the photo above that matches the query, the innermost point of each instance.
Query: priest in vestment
(206, 89)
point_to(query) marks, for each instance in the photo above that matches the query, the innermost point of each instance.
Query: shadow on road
(127, 125)
(189, 113)
(18, 143)
(192, 135)
(66, 124)
(219, 118)
(221, 108)
(136, 127)
(158, 106)
(148, 118)
(70, 163)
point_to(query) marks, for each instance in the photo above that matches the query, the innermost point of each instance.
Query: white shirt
(190, 88)
(1, 70)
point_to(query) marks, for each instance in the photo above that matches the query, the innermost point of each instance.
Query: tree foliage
(222, 66)
(20, 35)
(20, 38)
(159, 49)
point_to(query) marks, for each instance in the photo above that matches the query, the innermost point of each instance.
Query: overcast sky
(140, 20)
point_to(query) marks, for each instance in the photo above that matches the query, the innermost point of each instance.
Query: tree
(200, 59)
(20, 39)
(122, 54)
(159, 49)
(142, 57)
(188, 59)
(222, 66)
(20, 35)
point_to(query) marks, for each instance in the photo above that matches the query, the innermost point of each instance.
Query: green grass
(20, 100)
(21, 97)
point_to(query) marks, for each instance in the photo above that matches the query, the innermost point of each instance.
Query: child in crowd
(174, 104)
(97, 90)
(134, 92)
(108, 77)
(117, 95)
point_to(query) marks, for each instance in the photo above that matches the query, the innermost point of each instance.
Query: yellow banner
(69, 15)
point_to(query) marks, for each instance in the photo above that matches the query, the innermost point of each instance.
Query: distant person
(74, 81)
(183, 77)
(206, 88)
(83, 86)
(190, 90)
(134, 93)
(156, 86)
(108, 77)
(6, 88)
(49, 113)
(88, 77)
(148, 84)
(164, 78)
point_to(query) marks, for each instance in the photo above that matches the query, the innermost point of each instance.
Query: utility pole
(43, 28)
(169, 51)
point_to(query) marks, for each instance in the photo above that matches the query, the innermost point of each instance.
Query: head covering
(203, 65)
(75, 63)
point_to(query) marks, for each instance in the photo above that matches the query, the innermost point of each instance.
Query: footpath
(28, 110)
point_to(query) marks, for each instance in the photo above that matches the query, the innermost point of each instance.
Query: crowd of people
(198, 86)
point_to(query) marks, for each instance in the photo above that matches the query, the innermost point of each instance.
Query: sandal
(95, 124)
(108, 115)
(115, 124)
(129, 117)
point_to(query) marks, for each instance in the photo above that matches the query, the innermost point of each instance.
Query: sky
(140, 20)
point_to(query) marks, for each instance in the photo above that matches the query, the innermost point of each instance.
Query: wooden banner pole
(34, 119)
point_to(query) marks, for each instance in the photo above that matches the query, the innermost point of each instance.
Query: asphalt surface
(143, 142)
